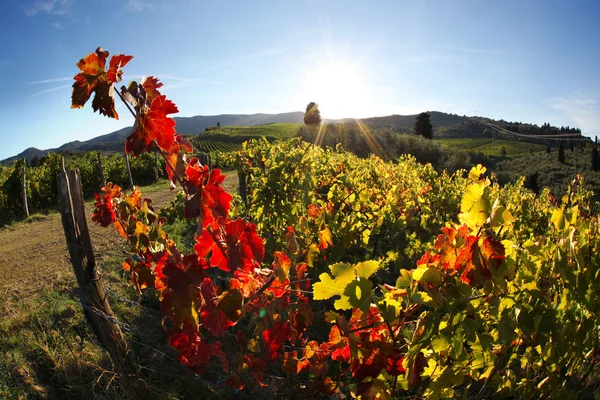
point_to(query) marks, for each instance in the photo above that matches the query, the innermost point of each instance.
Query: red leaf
(94, 79)
(206, 197)
(114, 73)
(274, 339)
(153, 125)
(243, 248)
(419, 364)
(211, 317)
(193, 351)
(394, 363)
(151, 86)
(104, 213)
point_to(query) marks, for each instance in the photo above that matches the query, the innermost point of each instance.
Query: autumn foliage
(442, 325)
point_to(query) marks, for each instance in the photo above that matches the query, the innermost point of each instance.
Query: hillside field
(487, 147)
(276, 131)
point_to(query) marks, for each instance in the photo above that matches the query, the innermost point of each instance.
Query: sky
(528, 61)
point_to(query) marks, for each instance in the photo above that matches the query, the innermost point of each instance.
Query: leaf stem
(126, 104)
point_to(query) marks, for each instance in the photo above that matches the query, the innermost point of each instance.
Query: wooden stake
(101, 169)
(25, 190)
(242, 189)
(156, 165)
(129, 169)
(93, 297)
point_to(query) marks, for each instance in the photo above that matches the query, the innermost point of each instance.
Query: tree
(423, 126)
(561, 152)
(595, 156)
(218, 124)
(312, 117)
(503, 151)
(548, 149)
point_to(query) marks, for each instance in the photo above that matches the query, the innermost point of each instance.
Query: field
(487, 147)
(209, 146)
(270, 131)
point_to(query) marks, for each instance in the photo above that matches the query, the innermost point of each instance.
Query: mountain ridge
(445, 125)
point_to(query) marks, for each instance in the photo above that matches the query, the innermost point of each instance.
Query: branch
(262, 289)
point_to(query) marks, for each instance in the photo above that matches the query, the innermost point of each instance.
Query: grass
(276, 130)
(50, 352)
(487, 147)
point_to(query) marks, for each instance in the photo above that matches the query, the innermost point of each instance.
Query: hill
(114, 141)
(544, 170)
(405, 123)
(446, 126)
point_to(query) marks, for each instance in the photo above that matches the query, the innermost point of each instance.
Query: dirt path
(34, 253)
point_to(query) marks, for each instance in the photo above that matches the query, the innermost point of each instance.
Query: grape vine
(317, 280)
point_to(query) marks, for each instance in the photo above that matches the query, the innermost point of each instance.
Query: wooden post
(129, 169)
(101, 170)
(25, 189)
(156, 165)
(242, 184)
(96, 307)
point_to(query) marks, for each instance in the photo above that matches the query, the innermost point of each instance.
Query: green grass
(276, 131)
(485, 146)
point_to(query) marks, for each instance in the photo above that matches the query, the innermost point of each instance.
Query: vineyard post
(101, 170)
(128, 169)
(156, 165)
(93, 297)
(242, 184)
(25, 189)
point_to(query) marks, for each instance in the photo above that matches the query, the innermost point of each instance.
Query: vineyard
(335, 276)
(209, 146)
(41, 185)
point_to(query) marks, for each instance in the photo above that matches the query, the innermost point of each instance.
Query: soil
(34, 252)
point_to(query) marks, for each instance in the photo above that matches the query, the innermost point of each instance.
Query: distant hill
(405, 123)
(114, 141)
(445, 126)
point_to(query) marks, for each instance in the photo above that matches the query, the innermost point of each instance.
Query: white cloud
(138, 5)
(53, 80)
(581, 109)
(50, 7)
(41, 92)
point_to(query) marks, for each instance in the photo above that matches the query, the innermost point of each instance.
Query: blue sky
(530, 61)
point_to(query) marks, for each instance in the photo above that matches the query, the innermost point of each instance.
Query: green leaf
(423, 298)
(404, 281)
(439, 344)
(359, 294)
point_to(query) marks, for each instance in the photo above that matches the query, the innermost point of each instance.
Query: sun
(338, 87)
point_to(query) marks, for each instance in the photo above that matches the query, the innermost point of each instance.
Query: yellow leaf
(558, 219)
(366, 268)
(477, 171)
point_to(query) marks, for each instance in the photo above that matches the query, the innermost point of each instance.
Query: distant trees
(312, 116)
(561, 152)
(503, 151)
(423, 126)
(548, 149)
(218, 124)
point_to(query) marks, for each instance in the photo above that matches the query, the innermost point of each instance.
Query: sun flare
(338, 87)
